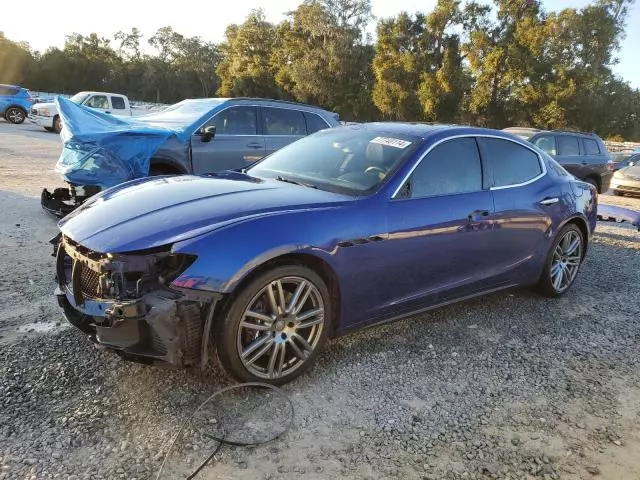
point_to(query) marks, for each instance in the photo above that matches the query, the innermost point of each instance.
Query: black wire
(221, 440)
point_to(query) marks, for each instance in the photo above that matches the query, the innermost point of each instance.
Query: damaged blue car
(193, 136)
(349, 227)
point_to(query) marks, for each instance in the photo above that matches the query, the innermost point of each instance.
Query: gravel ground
(509, 386)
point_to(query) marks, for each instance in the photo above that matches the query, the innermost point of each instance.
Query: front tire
(15, 115)
(273, 330)
(563, 262)
(618, 193)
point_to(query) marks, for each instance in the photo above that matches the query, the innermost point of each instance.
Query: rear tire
(57, 124)
(257, 342)
(592, 181)
(15, 115)
(618, 193)
(563, 262)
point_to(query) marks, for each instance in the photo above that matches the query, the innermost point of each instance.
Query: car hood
(158, 211)
(633, 171)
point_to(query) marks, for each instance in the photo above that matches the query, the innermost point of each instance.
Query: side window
(510, 162)
(451, 167)
(546, 143)
(98, 101)
(117, 103)
(236, 121)
(282, 121)
(314, 123)
(10, 91)
(568, 145)
(590, 147)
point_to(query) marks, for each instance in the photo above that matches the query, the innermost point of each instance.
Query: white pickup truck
(46, 114)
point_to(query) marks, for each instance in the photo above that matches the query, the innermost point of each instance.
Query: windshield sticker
(391, 142)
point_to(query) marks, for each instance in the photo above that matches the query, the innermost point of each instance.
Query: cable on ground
(221, 439)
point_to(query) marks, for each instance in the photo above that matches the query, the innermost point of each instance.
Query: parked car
(15, 103)
(114, 150)
(626, 181)
(621, 160)
(584, 155)
(348, 227)
(46, 114)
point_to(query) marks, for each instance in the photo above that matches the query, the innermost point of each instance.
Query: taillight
(611, 166)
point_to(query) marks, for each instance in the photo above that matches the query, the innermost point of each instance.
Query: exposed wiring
(221, 440)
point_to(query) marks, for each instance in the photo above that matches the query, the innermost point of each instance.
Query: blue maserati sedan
(348, 227)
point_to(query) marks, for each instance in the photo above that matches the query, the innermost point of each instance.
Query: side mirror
(208, 134)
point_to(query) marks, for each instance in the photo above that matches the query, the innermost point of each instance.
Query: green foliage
(510, 63)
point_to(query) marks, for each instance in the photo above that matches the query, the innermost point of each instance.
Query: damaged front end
(62, 201)
(125, 302)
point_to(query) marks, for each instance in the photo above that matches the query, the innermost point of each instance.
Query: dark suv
(584, 155)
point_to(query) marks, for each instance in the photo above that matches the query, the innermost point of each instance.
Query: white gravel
(509, 386)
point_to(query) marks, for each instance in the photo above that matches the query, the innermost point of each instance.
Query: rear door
(569, 155)
(281, 126)
(237, 142)
(525, 201)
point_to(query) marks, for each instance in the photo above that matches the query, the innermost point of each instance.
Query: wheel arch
(166, 166)
(583, 225)
(309, 260)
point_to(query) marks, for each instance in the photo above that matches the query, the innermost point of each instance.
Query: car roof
(261, 101)
(426, 130)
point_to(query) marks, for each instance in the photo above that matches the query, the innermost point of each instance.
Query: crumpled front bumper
(163, 326)
(63, 201)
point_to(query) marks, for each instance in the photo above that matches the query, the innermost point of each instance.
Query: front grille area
(89, 282)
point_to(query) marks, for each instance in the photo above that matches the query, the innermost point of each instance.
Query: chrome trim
(549, 201)
(476, 135)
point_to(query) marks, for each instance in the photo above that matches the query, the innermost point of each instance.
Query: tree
(245, 68)
(320, 57)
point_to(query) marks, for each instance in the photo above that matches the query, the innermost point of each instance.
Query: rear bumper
(605, 181)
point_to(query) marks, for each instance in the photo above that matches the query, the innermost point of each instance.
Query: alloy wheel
(566, 260)
(281, 327)
(15, 115)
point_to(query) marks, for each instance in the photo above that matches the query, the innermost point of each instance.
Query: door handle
(478, 215)
(549, 201)
(107, 111)
(585, 163)
(255, 145)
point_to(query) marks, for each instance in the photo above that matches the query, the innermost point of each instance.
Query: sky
(209, 18)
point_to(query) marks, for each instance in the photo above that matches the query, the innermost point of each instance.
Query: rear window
(511, 163)
(568, 145)
(314, 123)
(590, 147)
(282, 121)
(117, 103)
(8, 91)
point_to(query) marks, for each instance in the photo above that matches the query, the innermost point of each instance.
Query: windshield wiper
(295, 182)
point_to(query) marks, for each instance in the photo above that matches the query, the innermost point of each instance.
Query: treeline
(510, 64)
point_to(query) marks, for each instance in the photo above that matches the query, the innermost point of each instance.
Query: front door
(440, 243)
(235, 145)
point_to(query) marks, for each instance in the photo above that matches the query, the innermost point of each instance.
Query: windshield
(185, 111)
(79, 97)
(354, 160)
